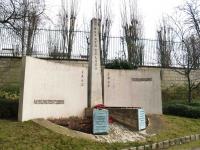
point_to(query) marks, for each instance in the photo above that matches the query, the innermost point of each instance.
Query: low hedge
(120, 64)
(184, 110)
(8, 108)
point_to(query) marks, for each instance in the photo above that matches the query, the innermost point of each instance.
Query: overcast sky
(151, 12)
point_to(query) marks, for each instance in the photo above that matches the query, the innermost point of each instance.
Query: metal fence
(118, 49)
(46, 44)
(49, 44)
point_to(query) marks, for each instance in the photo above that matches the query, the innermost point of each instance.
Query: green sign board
(100, 121)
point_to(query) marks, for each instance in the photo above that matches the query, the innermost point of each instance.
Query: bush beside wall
(179, 93)
(119, 64)
(11, 93)
(8, 108)
(183, 109)
(9, 99)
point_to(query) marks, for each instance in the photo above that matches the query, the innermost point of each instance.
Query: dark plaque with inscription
(100, 121)
(38, 101)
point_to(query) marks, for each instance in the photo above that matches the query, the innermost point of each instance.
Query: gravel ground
(119, 133)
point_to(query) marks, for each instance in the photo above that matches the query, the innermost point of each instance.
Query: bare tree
(192, 12)
(104, 14)
(132, 29)
(187, 31)
(165, 44)
(106, 28)
(53, 44)
(192, 19)
(24, 17)
(87, 37)
(67, 22)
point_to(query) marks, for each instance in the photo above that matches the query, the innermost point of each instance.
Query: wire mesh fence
(50, 44)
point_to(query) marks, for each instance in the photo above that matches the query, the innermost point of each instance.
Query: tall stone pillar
(95, 76)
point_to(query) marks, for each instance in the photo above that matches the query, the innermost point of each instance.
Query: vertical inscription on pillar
(96, 42)
(108, 79)
(82, 78)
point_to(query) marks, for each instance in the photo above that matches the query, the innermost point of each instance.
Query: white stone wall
(123, 88)
(10, 69)
(45, 80)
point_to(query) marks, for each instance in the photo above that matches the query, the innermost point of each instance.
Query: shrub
(9, 97)
(10, 93)
(120, 64)
(182, 109)
(8, 108)
(179, 92)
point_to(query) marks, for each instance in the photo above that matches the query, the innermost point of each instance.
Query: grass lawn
(190, 146)
(176, 127)
(28, 135)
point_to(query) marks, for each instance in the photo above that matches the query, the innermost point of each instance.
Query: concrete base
(63, 130)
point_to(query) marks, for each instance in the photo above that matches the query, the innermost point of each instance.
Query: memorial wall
(56, 90)
(52, 90)
(124, 88)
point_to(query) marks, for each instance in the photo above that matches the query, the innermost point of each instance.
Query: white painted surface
(121, 91)
(44, 80)
(95, 75)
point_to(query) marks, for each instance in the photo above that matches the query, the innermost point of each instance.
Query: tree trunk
(189, 90)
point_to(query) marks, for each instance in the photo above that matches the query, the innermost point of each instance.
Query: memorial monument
(55, 90)
(94, 71)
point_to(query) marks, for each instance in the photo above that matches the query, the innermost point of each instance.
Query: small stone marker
(172, 142)
(177, 141)
(147, 147)
(100, 121)
(160, 145)
(166, 144)
(187, 139)
(192, 137)
(154, 146)
(197, 136)
(141, 148)
(141, 120)
(133, 148)
(183, 140)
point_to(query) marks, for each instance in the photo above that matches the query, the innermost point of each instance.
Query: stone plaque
(48, 101)
(141, 79)
(141, 119)
(100, 121)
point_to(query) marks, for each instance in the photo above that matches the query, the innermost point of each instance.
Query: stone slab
(121, 91)
(52, 90)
